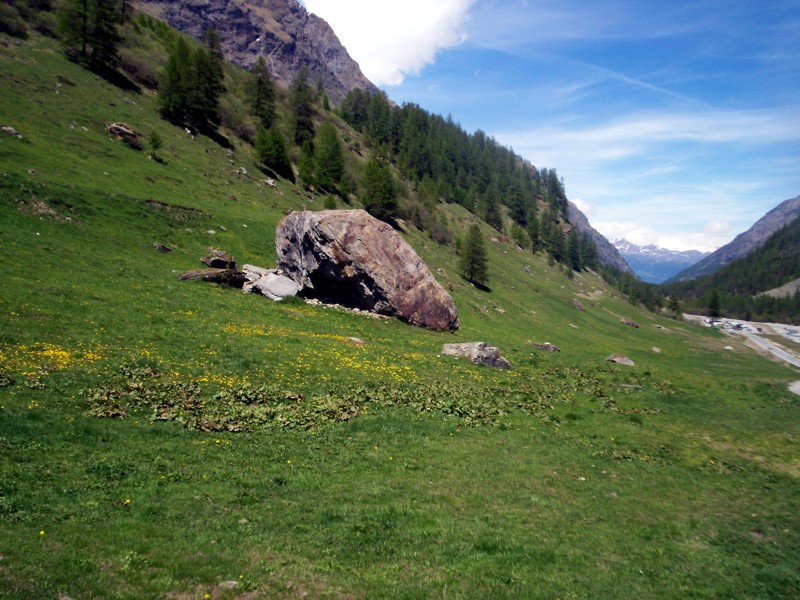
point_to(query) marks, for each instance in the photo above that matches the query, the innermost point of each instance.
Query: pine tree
(379, 193)
(204, 91)
(175, 82)
(273, 154)
(302, 103)
(262, 93)
(307, 165)
(91, 26)
(573, 250)
(675, 306)
(329, 157)
(474, 262)
(534, 232)
(714, 304)
(190, 87)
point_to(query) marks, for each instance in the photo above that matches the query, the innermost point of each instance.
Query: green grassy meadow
(171, 439)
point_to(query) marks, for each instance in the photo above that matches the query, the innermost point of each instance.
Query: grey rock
(578, 304)
(161, 248)
(254, 273)
(350, 258)
(273, 286)
(477, 353)
(629, 323)
(546, 347)
(620, 359)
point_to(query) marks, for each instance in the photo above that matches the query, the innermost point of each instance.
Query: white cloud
(639, 234)
(391, 40)
(711, 236)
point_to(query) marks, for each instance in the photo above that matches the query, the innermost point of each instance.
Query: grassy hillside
(172, 439)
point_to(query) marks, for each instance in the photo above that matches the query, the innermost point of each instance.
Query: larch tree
(273, 154)
(302, 106)
(474, 261)
(262, 93)
(329, 158)
(379, 192)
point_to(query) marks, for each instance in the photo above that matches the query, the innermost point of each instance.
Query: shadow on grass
(480, 286)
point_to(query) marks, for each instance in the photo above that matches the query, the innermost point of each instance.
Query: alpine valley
(561, 432)
(654, 264)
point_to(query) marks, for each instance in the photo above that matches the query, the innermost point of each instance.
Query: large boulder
(350, 258)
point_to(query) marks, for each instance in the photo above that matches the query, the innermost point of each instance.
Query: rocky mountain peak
(282, 31)
(654, 264)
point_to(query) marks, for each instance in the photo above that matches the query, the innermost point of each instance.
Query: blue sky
(671, 122)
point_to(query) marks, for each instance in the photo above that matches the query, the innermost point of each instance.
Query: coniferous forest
(738, 287)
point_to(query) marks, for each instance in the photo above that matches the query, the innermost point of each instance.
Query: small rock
(629, 323)
(547, 347)
(33, 172)
(729, 348)
(126, 134)
(12, 132)
(656, 349)
(228, 585)
(356, 341)
(161, 248)
(211, 232)
(243, 521)
(620, 359)
(578, 304)
(573, 326)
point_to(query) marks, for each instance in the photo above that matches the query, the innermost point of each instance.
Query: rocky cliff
(745, 243)
(281, 31)
(606, 252)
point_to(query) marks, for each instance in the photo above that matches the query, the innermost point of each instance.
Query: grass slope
(254, 442)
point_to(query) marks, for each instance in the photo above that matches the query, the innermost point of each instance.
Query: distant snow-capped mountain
(654, 264)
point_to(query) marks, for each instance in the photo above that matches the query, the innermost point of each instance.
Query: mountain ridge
(606, 251)
(744, 243)
(282, 31)
(654, 264)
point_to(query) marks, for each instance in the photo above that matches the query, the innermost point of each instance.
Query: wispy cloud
(391, 40)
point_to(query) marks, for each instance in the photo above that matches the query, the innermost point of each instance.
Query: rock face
(477, 353)
(606, 252)
(350, 258)
(282, 31)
